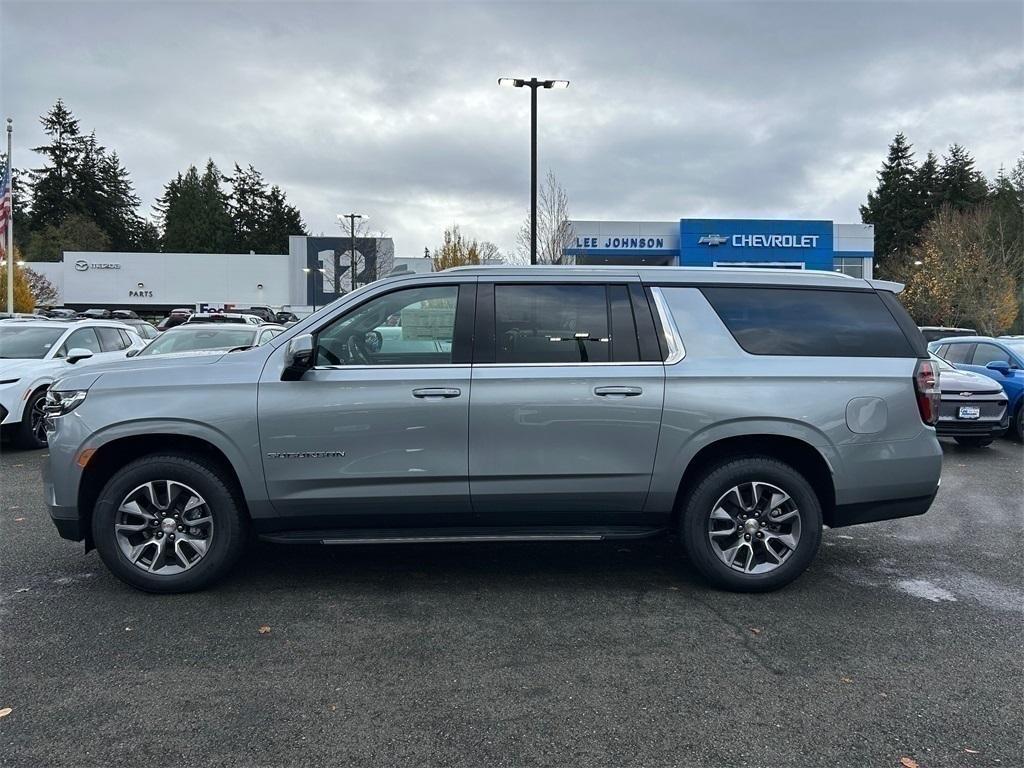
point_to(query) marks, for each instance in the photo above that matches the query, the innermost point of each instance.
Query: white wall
(175, 278)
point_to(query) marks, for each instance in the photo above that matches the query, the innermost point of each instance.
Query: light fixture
(259, 286)
(142, 285)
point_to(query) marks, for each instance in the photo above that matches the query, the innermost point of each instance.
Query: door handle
(618, 391)
(439, 392)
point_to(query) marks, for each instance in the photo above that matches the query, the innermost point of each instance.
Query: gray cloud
(677, 109)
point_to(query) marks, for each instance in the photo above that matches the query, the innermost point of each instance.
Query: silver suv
(740, 409)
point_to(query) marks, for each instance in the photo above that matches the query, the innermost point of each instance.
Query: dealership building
(314, 272)
(776, 243)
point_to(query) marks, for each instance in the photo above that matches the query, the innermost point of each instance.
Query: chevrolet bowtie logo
(713, 240)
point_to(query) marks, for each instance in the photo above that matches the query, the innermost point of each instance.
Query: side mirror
(298, 357)
(999, 365)
(133, 352)
(78, 353)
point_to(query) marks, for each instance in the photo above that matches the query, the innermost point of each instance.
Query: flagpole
(10, 226)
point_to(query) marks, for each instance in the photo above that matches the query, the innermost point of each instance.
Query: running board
(458, 535)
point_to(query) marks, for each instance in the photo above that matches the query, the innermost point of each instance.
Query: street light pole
(10, 224)
(352, 232)
(533, 84)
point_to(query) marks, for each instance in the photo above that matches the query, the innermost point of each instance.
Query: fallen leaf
(845, 679)
(264, 629)
(22, 589)
(334, 708)
(19, 519)
(909, 762)
(5, 711)
(971, 751)
(755, 630)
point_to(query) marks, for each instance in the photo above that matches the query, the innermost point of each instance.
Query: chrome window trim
(386, 367)
(565, 365)
(673, 340)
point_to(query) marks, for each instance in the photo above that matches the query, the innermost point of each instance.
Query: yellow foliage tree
(959, 278)
(24, 301)
(456, 250)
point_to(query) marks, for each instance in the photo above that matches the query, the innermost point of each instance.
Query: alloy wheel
(164, 527)
(37, 420)
(754, 527)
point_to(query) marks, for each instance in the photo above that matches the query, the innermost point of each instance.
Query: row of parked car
(37, 350)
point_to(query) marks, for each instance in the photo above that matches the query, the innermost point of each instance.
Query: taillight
(926, 385)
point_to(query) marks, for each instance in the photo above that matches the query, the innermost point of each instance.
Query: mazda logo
(81, 265)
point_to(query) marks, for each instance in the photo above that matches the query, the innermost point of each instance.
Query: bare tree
(554, 230)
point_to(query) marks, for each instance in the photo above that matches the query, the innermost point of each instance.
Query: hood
(966, 381)
(86, 376)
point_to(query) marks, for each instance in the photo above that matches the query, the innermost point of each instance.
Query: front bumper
(12, 404)
(993, 417)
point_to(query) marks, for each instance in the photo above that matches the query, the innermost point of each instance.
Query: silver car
(740, 409)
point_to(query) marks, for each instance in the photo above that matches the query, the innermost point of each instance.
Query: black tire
(698, 506)
(28, 434)
(974, 442)
(1019, 425)
(231, 524)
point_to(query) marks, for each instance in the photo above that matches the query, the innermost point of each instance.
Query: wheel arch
(111, 456)
(804, 457)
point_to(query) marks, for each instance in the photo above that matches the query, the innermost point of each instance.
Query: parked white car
(34, 353)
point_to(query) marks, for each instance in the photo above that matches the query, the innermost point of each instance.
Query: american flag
(5, 198)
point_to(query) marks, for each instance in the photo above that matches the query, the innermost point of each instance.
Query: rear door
(565, 410)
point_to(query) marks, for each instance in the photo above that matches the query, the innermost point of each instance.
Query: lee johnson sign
(638, 243)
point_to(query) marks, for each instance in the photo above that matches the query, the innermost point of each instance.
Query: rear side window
(551, 324)
(808, 322)
(110, 339)
(958, 353)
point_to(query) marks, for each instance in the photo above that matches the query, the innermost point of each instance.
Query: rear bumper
(874, 511)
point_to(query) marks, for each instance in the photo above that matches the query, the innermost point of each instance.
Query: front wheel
(32, 430)
(751, 524)
(168, 524)
(974, 442)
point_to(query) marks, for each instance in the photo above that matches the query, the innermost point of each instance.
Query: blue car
(1001, 359)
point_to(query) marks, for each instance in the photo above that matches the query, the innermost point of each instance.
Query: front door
(376, 433)
(564, 415)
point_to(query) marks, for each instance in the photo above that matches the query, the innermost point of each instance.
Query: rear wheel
(751, 524)
(1019, 426)
(974, 442)
(168, 524)
(32, 429)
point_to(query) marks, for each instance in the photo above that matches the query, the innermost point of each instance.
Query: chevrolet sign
(762, 241)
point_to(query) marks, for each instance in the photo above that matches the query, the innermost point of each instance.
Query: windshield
(184, 339)
(943, 364)
(27, 343)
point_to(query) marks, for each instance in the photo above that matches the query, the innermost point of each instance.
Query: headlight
(61, 403)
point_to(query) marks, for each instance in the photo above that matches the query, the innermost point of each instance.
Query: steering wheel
(356, 352)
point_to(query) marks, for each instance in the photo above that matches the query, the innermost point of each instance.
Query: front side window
(551, 324)
(987, 353)
(83, 338)
(414, 326)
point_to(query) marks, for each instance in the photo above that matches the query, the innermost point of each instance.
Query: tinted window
(787, 321)
(110, 339)
(409, 327)
(551, 324)
(26, 343)
(958, 353)
(986, 353)
(942, 350)
(83, 338)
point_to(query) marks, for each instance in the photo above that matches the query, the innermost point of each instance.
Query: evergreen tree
(894, 207)
(961, 185)
(926, 184)
(53, 198)
(262, 217)
(281, 221)
(194, 212)
(121, 220)
(86, 184)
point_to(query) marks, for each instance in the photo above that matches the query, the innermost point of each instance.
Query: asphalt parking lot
(903, 640)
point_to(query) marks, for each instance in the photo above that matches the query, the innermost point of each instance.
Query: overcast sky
(675, 110)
